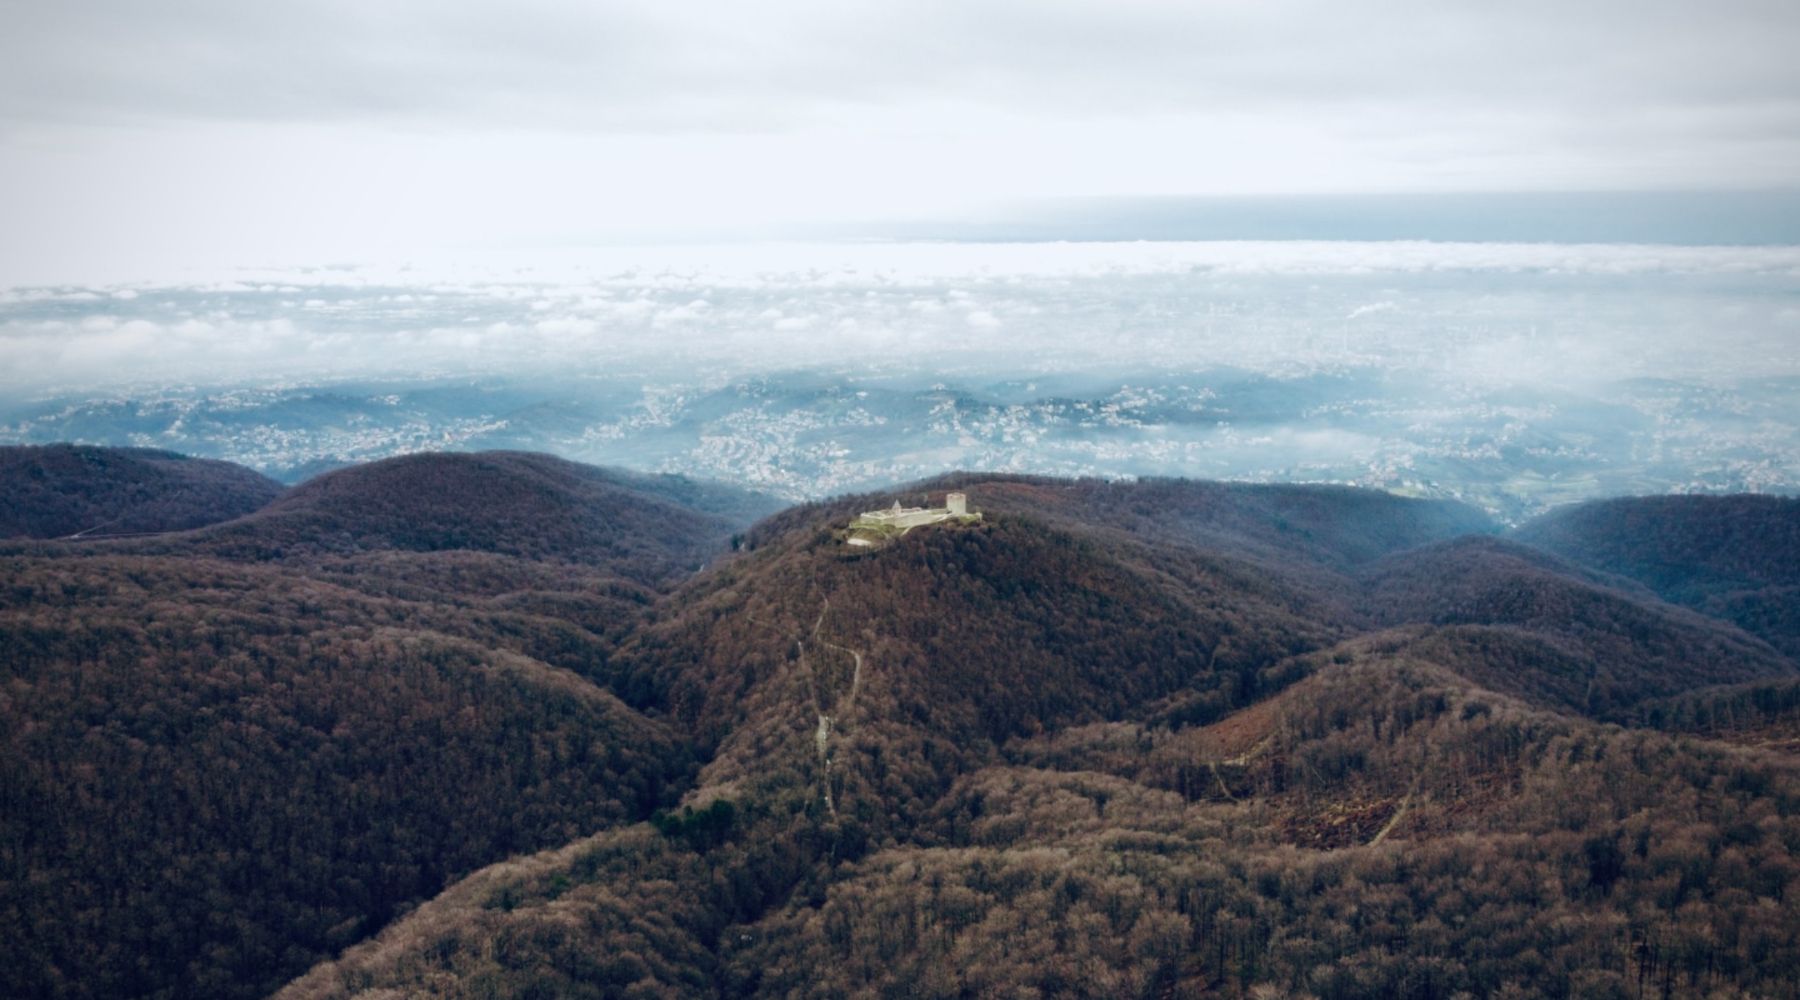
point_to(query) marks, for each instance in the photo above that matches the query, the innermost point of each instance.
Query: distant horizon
(1684, 218)
(1768, 217)
(1530, 252)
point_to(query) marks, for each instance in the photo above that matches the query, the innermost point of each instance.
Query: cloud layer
(1496, 313)
(779, 65)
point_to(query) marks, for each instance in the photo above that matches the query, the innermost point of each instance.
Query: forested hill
(1681, 546)
(53, 491)
(1733, 557)
(502, 725)
(1278, 524)
(229, 752)
(509, 504)
(1520, 620)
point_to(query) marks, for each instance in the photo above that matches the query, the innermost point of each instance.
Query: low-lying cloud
(1490, 312)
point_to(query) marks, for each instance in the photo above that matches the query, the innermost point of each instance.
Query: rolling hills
(502, 725)
(231, 751)
(53, 491)
(1519, 620)
(1732, 557)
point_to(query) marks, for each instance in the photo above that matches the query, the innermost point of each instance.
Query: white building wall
(955, 505)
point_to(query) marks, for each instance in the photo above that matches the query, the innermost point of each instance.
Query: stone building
(955, 505)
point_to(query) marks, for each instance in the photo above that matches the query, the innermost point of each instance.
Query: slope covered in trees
(1070, 602)
(1273, 524)
(1762, 714)
(1733, 557)
(215, 773)
(53, 491)
(1392, 831)
(1151, 739)
(229, 752)
(976, 762)
(1521, 621)
(517, 505)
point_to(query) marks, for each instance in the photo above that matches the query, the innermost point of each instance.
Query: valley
(808, 434)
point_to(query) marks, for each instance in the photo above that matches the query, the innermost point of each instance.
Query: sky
(139, 138)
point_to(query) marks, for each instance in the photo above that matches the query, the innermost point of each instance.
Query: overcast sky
(135, 134)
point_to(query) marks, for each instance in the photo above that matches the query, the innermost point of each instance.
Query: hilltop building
(955, 505)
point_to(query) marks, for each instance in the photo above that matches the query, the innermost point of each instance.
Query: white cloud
(1493, 313)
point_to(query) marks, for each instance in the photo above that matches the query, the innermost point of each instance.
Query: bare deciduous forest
(501, 725)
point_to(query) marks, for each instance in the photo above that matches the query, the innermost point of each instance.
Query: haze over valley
(1516, 376)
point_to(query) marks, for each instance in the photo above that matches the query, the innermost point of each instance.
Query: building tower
(956, 504)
